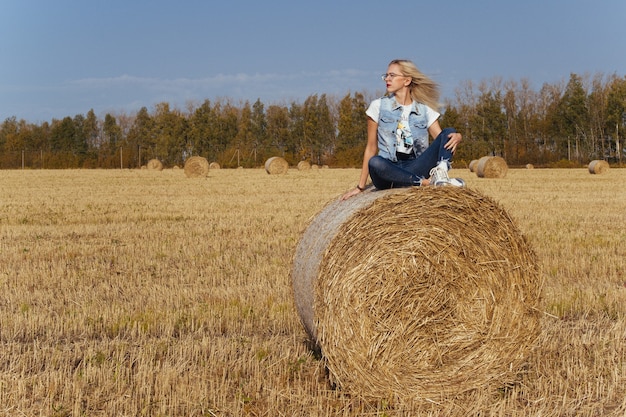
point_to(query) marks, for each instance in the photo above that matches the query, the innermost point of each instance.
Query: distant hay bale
(418, 293)
(196, 167)
(304, 166)
(472, 165)
(598, 166)
(530, 166)
(154, 165)
(481, 162)
(315, 166)
(491, 167)
(175, 167)
(276, 165)
(214, 165)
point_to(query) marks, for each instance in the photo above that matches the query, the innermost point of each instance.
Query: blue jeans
(405, 173)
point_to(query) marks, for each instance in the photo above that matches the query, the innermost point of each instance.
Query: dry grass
(112, 305)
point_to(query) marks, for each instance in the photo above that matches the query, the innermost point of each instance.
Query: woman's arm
(453, 139)
(371, 149)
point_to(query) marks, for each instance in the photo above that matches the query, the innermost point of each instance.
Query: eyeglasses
(390, 75)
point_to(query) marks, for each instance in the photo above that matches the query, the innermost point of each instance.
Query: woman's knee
(376, 163)
(447, 132)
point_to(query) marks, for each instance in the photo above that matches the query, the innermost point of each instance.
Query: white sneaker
(457, 182)
(439, 176)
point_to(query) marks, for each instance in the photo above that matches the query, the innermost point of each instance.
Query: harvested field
(115, 305)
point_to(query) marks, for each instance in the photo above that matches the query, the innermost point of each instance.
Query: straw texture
(276, 165)
(196, 167)
(598, 166)
(418, 293)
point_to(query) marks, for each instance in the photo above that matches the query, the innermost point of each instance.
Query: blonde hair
(422, 88)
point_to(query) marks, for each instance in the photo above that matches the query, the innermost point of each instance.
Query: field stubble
(129, 293)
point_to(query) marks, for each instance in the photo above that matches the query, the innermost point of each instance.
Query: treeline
(569, 123)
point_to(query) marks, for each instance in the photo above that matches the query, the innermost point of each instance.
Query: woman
(397, 153)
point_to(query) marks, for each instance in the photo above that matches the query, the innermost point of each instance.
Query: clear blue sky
(63, 57)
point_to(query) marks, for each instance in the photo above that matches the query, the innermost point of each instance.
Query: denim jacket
(390, 115)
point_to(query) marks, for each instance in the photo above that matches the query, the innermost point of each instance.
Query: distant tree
(170, 129)
(318, 129)
(258, 128)
(326, 131)
(226, 119)
(40, 140)
(202, 140)
(244, 140)
(9, 135)
(296, 146)
(141, 137)
(278, 132)
(91, 131)
(527, 124)
(551, 136)
(616, 113)
(111, 142)
(351, 130)
(573, 116)
(79, 144)
(489, 123)
(308, 141)
(62, 134)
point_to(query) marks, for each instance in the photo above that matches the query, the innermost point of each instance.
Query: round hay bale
(481, 163)
(491, 167)
(196, 167)
(315, 166)
(214, 165)
(530, 166)
(276, 165)
(304, 166)
(598, 166)
(418, 293)
(472, 165)
(154, 165)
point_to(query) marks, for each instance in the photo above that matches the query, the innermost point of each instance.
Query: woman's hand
(453, 140)
(351, 193)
